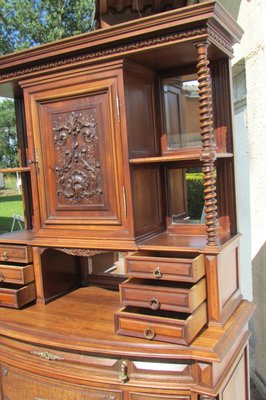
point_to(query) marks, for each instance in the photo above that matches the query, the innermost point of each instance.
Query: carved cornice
(122, 48)
(221, 40)
(81, 252)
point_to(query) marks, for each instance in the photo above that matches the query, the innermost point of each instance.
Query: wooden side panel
(146, 192)
(237, 387)
(60, 273)
(140, 111)
(222, 283)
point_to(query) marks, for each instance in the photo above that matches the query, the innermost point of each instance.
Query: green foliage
(26, 23)
(10, 204)
(195, 194)
(8, 135)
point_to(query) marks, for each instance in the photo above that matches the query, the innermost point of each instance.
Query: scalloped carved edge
(81, 252)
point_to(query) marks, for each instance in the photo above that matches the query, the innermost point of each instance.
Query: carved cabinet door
(73, 126)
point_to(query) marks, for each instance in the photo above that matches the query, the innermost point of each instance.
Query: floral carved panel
(77, 158)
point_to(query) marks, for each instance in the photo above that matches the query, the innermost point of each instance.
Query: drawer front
(19, 254)
(145, 396)
(18, 386)
(163, 375)
(64, 365)
(163, 326)
(15, 296)
(173, 267)
(16, 274)
(159, 296)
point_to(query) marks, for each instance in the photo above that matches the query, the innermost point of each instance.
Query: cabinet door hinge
(125, 201)
(117, 106)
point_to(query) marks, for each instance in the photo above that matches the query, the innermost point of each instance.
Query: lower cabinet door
(20, 386)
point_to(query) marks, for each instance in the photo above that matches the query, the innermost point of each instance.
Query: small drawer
(19, 254)
(16, 296)
(163, 295)
(185, 267)
(145, 396)
(16, 274)
(165, 326)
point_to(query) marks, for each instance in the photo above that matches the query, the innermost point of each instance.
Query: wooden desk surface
(84, 321)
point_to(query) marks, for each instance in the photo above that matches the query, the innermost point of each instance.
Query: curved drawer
(18, 386)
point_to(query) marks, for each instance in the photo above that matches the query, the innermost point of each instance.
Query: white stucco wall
(251, 170)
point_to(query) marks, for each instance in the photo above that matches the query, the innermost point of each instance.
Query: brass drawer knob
(155, 304)
(2, 277)
(4, 256)
(157, 273)
(149, 333)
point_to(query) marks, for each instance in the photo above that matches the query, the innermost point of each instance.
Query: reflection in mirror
(11, 203)
(108, 263)
(181, 109)
(9, 151)
(185, 195)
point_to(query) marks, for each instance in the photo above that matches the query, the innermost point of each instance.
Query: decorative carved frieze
(81, 252)
(77, 161)
(122, 48)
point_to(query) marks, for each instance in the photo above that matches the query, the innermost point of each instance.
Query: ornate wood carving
(208, 154)
(77, 161)
(47, 355)
(81, 252)
(130, 46)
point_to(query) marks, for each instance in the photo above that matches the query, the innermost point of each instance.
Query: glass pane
(181, 107)
(109, 263)
(185, 195)
(9, 153)
(11, 203)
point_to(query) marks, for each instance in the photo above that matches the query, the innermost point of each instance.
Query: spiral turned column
(208, 154)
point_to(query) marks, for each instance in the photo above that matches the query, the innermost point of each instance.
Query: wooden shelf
(13, 170)
(174, 158)
(166, 241)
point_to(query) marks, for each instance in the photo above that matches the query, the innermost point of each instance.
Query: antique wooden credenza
(116, 289)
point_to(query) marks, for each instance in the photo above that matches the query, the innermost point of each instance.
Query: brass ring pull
(149, 333)
(2, 277)
(155, 304)
(157, 273)
(4, 256)
(123, 373)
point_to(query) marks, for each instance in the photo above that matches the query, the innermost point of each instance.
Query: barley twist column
(208, 154)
